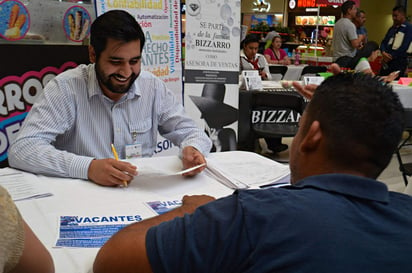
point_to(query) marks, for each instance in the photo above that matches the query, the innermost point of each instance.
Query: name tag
(133, 150)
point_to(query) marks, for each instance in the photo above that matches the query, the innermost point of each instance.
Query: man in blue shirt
(359, 22)
(336, 217)
(396, 44)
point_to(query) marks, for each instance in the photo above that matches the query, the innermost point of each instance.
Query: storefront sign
(335, 2)
(308, 3)
(261, 6)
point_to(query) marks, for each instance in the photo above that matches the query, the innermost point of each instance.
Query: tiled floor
(390, 176)
(393, 177)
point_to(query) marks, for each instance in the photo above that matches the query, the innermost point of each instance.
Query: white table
(293, 73)
(405, 94)
(79, 197)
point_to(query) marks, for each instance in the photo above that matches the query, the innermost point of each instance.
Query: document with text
(241, 170)
(22, 185)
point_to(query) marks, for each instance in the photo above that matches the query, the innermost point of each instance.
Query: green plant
(261, 26)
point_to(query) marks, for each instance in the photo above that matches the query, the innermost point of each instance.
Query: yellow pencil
(117, 158)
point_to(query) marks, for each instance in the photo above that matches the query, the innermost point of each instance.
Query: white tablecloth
(72, 197)
(404, 93)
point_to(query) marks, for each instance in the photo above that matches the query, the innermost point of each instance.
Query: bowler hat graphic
(216, 113)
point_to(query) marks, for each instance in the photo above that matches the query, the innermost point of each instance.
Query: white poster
(212, 68)
(161, 55)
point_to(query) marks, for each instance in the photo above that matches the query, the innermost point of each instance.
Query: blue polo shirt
(328, 223)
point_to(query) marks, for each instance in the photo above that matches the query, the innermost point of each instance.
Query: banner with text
(161, 55)
(335, 2)
(212, 68)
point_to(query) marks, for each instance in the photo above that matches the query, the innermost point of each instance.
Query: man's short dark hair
(115, 24)
(359, 12)
(347, 6)
(250, 38)
(361, 118)
(400, 9)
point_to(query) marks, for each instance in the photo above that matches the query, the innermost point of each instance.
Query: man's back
(344, 32)
(329, 223)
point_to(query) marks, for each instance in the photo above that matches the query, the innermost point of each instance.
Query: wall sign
(261, 6)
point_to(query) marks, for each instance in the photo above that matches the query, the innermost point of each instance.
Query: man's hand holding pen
(111, 172)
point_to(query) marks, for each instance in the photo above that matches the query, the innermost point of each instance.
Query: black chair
(278, 69)
(405, 168)
(312, 70)
(267, 114)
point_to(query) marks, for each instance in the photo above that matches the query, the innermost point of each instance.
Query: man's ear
(313, 138)
(92, 54)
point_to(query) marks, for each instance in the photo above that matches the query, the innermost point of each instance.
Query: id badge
(133, 150)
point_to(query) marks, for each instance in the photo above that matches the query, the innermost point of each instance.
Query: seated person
(368, 53)
(250, 59)
(269, 36)
(334, 211)
(69, 130)
(20, 249)
(276, 55)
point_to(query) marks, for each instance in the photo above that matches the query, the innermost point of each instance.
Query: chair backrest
(278, 69)
(408, 118)
(274, 112)
(312, 70)
(405, 167)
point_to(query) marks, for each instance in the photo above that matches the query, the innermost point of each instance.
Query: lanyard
(254, 63)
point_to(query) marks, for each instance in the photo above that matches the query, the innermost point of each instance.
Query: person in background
(396, 43)
(345, 40)
(368, 53)
(359, 22)
(69, 130)
(269, 37)
(346, 213)
(20, 249)
(276, 55)
(250, 59)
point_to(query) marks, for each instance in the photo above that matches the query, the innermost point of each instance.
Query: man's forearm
(126, 250)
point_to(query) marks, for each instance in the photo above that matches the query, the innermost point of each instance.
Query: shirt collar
(242, 54)
(94, 88)
(345, 184)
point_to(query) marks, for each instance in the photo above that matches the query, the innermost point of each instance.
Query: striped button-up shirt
(73, 122)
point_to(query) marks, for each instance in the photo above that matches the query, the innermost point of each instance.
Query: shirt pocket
(140, 131)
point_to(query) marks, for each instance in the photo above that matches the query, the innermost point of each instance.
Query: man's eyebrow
(114, 58)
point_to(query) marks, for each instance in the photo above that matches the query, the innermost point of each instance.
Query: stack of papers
(22, 185)
(242, 170)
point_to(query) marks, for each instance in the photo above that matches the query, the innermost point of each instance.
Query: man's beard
(118, 88)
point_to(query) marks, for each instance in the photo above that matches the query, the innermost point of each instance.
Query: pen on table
(117, 158)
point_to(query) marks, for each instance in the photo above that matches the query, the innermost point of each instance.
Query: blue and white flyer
(91, 231)
(160, 207)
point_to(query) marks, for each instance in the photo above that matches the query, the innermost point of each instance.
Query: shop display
(315, 20)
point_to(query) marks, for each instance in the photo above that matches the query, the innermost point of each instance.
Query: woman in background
(361, 62)
(276, 55)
